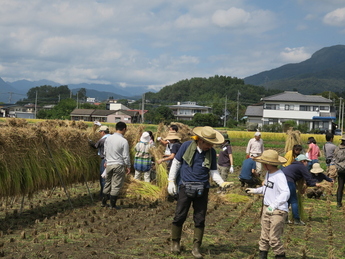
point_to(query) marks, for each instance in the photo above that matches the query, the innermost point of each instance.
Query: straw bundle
(141, 190)
(33, 156)
(293, 138)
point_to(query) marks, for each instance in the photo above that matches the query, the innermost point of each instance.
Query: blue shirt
(297, 171)
(247, 166)
(197, 172)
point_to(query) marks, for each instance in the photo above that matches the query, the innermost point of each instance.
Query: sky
(156, 43)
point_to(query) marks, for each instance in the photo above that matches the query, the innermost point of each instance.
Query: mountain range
(323, 71)
(10, 92)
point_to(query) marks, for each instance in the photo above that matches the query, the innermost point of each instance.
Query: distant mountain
(99, 91)
(324, 71)
(8, 93)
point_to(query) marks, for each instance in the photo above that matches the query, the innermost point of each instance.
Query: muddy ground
(48, 227)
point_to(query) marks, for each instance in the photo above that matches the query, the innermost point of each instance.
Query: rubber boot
(263, 254)
(339, 198)
(176, 232)
(198, 235)
(282, 256)
(113, 200)
(104, 200)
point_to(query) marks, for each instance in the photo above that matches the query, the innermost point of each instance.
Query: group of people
(192, 163)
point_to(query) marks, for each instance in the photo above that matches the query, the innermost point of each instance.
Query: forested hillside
(207, 91)
(324, 71)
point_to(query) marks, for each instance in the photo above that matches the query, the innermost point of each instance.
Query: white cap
(145, 137)
(257, 134)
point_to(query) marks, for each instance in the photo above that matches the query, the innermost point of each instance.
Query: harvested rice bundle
(33, 157)
(138, 189)
(293, 138)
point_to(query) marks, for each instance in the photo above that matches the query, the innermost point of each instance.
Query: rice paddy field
(50, 208)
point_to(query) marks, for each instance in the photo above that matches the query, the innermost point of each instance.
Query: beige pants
(272, 228)
(147, 175)
(223, 171)
(115, 179)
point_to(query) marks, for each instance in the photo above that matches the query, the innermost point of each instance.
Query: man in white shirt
(255, 148)
(116, 150)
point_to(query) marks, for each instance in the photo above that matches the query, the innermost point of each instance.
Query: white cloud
(294, 55)
(232, 17)
(335, 18)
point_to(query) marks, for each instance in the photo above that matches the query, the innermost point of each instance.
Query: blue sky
(159, 42)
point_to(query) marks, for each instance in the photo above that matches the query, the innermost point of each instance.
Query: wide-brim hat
(209, 134)
(270, 157)
(145, 137)
(316, 169)
(103, 128)
(172, 135)
(302, 157)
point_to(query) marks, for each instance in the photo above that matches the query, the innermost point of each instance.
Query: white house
(314, 110)
(186, 110)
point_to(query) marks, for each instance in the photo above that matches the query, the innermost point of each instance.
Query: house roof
(290, 96)
(254, 111)
(189, 106)
(82, 112)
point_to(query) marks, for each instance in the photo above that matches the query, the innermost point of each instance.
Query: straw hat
(343, 137)
(209, 134)
(172, 135)
(103, 128)
(145, 137)
(270, 157)
(316, 169)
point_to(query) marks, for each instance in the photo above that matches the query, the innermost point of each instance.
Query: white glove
(269, 210)
(172, 188)
(104, 174)
(250, 190)
(231, 169)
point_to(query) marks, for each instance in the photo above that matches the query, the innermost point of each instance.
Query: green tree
(207, 119)
(60, 111)
(160, 114)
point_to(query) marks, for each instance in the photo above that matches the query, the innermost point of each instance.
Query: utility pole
(77, 100)
(10, 97)
(142, 108)
(342, 119)
(340, 115)
(238, 103)
(59, 97)
(36, 106)
(226, 98)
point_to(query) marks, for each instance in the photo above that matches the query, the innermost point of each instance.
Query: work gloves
(250, 190)
(172, 188)
(231, 169)
(269, 210)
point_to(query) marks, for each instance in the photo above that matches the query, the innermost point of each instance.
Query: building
(314, 110)
(186, 110)
(105, 115)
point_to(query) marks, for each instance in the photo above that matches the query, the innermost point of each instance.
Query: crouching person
(317, 173)
(196, 161)
(276, 194)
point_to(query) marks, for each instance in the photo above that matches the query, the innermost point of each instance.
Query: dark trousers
(199, 206)
(101, 180)
(340, 190)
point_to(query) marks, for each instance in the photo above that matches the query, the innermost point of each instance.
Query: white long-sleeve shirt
(255, 146)
(116, 150)
(276, 190)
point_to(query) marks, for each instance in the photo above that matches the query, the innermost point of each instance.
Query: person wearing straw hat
(275, 207)
(317, 173)
(143, 158)
(339, 161)
(295, 172)
(196, 160)
(174, 144)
